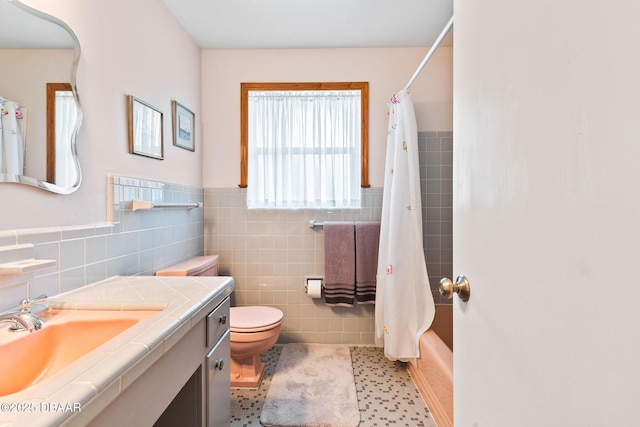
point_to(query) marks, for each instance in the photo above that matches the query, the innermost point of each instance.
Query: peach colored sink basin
(68, 335)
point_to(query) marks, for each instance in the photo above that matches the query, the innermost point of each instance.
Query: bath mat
(313, 386)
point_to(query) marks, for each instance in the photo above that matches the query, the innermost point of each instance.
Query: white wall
(127, 48)
(386, 70)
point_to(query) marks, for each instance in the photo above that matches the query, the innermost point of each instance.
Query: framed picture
(184, 126)
(145, 124)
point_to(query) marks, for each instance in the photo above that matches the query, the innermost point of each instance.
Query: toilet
(253, 329)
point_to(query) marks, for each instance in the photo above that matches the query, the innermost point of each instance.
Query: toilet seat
(254, 319)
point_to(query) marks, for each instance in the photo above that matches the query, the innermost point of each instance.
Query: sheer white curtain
(66, 116)
(304, 149)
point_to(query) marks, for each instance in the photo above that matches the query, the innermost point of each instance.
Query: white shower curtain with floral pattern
(11, 143)
(404, 304)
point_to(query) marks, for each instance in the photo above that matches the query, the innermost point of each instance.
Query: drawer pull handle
(223, 319)
(219, 365)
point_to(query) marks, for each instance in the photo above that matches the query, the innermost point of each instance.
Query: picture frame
(184, 126)
(145, 127)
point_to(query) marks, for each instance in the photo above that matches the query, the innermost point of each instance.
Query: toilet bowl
(253, 329)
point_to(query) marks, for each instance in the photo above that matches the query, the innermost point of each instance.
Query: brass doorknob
(461, 287)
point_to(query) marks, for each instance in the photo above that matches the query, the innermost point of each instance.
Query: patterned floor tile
(387, 396)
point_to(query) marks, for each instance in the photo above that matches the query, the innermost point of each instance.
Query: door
(547, 213)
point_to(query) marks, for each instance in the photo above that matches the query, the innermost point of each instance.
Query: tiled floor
(387, 395)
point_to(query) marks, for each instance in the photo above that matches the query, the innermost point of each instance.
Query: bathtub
(433, 373)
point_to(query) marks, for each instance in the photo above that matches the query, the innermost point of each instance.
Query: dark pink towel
(339, 263)
(367, 239)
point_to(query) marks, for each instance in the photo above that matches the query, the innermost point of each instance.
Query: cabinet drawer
(218, 322)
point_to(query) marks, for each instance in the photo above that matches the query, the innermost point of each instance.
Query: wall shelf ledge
(25, 266)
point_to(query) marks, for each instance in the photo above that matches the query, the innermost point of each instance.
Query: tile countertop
(89, 384)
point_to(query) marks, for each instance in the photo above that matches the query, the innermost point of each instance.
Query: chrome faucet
(23, 319)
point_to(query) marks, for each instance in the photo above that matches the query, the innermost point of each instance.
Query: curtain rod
(435, 45)
(304, 93)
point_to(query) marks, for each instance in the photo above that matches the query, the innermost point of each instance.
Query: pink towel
(367, 239)
(339, 263)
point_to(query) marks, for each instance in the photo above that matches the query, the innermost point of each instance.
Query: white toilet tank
(196, 266)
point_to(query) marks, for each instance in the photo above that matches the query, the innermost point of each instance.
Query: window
(62, 115)
(304, 145)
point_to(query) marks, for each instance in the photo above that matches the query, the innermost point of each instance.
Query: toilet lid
(254, 318)
(191, 267)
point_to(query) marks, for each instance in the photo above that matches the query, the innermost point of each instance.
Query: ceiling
(279, 24)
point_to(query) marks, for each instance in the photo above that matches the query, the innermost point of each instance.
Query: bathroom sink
(68, 335)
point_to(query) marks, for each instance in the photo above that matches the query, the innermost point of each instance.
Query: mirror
(40, 114)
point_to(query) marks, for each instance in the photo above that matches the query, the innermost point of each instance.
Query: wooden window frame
(363, 87)
(52, 88)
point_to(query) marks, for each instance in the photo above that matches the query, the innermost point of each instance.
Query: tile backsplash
(130, 243)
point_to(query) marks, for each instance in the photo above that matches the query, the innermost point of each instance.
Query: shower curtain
(11, 144)
(404, 304)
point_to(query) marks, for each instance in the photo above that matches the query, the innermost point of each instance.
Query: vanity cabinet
(189, 385)
(217, 367)
(154, 372)
(187, 408)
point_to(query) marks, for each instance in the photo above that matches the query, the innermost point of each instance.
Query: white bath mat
(313, 386)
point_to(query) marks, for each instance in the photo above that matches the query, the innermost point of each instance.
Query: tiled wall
(132, 243)
(269, 253)
(436, 175)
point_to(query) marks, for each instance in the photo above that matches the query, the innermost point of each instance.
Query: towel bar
(314, 224)
(143, 204)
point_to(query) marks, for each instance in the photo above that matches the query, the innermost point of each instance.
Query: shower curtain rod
(435, 45)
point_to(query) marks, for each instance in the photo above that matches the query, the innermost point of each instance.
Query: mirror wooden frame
(52, 89)
(363, 87)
